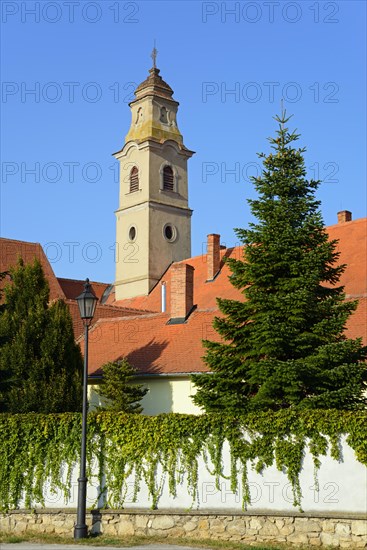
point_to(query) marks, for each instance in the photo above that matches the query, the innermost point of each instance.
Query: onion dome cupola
(154, 110)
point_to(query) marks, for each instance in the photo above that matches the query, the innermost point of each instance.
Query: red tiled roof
(73, 287)
(352, 245)
(154, 347)
(135, 328)
(103, 311)
(150, 344)
(204, 293)
(11, 250)
(357, 322)
(66, 289)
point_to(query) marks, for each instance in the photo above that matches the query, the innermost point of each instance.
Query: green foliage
(3, 274)
(40, 364)
(36, 448)
(284, 345)
(121, 394)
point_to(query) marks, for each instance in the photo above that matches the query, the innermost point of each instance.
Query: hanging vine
(36, 449)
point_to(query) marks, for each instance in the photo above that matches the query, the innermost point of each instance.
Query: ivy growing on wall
(36, 449)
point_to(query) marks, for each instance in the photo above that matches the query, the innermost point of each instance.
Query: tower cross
(154, 56)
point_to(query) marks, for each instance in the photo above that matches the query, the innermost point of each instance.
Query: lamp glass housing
(87, 302)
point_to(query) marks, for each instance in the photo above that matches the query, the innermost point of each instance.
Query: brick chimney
(213, 255)
(344, 216)
(182, 291)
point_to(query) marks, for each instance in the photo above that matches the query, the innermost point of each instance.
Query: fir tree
(117, 389)
(284, 345)
(40, 363)
(3, 275)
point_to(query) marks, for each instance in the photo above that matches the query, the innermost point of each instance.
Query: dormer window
(168, 179)
(134, 179)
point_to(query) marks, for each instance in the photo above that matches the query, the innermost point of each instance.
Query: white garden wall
(342, 489)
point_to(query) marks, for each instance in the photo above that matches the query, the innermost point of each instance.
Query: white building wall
(166, 394)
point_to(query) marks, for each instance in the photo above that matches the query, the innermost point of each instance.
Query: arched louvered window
(134, 179)
(167, 178)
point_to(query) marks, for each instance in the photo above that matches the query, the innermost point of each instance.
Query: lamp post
(87, 305)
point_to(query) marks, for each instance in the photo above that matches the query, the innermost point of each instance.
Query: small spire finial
(154, 56)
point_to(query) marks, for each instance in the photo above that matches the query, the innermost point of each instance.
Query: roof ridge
(239, 245)
(83, 281)
(339, 224)
(122, 308)
(21, 241)
(117, 308)
(129, 318)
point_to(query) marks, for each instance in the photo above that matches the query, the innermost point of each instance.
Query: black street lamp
(87, 304)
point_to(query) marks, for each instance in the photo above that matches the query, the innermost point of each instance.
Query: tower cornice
(162, 206)
(149, 143)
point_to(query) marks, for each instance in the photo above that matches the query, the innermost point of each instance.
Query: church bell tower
(153, 225)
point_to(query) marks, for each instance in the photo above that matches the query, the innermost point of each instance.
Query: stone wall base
(311, 530)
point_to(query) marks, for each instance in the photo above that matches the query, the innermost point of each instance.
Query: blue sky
(229, 63)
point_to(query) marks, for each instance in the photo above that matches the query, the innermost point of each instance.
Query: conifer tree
(3, 275)
(284, 344)
(117, 389)
(40, 363)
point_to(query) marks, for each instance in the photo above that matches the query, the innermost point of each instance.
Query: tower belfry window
(168, 178)
(134, 179)
(164, 115)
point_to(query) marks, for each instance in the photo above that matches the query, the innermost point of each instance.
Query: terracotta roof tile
(205, 293)
(102, 312)
(73, 287)
(66, 289)
(353, 252)
(357, 322)
(11, 250)
(128, 328)
(154, 347)
(150, 344)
